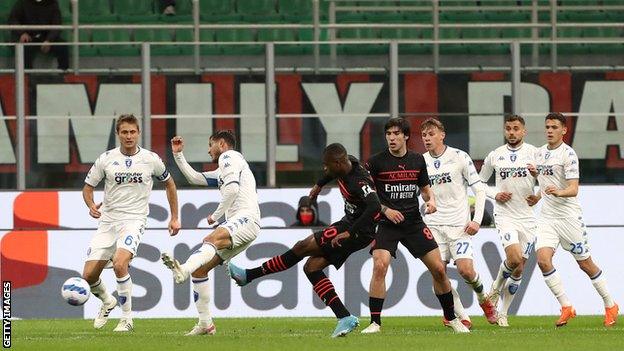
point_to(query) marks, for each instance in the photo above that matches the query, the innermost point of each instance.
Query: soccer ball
(76, 291)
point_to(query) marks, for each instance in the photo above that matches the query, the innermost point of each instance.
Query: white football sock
(201, 295)
(99, 290)
(200, 257)
(504, 272)
(600, 284)
(124, 290)
(477, 286)
(458, 306)
(509, 292)
(553, 280)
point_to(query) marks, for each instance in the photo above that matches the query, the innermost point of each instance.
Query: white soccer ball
(76, 291)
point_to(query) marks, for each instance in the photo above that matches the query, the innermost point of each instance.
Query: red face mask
(306, 218)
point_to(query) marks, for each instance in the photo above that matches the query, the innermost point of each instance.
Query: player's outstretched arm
(191, 175)
(172, 197)
(316, 189)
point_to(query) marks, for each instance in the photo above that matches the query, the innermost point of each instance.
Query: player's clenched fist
(177, 144)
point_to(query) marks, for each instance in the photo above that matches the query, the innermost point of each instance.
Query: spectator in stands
(307, 214)
(169, 7)
(39, 12)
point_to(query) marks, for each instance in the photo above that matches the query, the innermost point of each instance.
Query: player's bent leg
(301, 249)
(219, 239)
(442, 286)
(121, 261)
(324, 289)
(515, 262)
(600, 284)
(377, 289)
(201, 296)
(554, 283)
(91, 273)
(466, 270)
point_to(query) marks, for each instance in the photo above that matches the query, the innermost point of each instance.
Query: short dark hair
(335, 150)
(127, 118)
(557, 116)
(430, 123)
(513, 118)
(225, 135)
(401, 123)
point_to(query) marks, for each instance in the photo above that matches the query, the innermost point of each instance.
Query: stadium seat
(418, 17)
(357, 33)
(95, 11)
(65, 7)
(115, 36)
(238, 35)
(569, 32)
(277, 35)
(506, 17)
(157, 35)
(582, 16)
(5, 37)
(132, 7)
(350, 17)
(451, 3)
(5, 8)
(363, 49)
(602, 32)
(256, 7)
(462, 17)
(86, 50)
(480, 33)
(516, 33)
(295, 8)
(401, 33)
(216, 7)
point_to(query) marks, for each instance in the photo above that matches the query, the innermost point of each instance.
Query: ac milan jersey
(354, 187)
(398, 180)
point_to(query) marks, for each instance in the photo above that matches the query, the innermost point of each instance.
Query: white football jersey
(555, 167)
(450, 175)
(512, 175)
(128, 182)
(234, 169)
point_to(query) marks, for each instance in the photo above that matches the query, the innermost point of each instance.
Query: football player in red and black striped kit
(334, 244)
(399, 176)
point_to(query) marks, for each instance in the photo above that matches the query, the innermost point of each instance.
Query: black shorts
(338, 255)
(415, 236)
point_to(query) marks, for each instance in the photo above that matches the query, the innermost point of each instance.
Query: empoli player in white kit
(514, 218)
(451, 171)
(242, 213)
(561, 220)
(127, 172)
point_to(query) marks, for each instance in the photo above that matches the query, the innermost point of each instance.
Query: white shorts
(243, 231)
(513, 231)
(454, 242)
(111, 236)
(569, 232)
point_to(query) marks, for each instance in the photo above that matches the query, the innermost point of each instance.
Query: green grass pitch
(298, 334)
